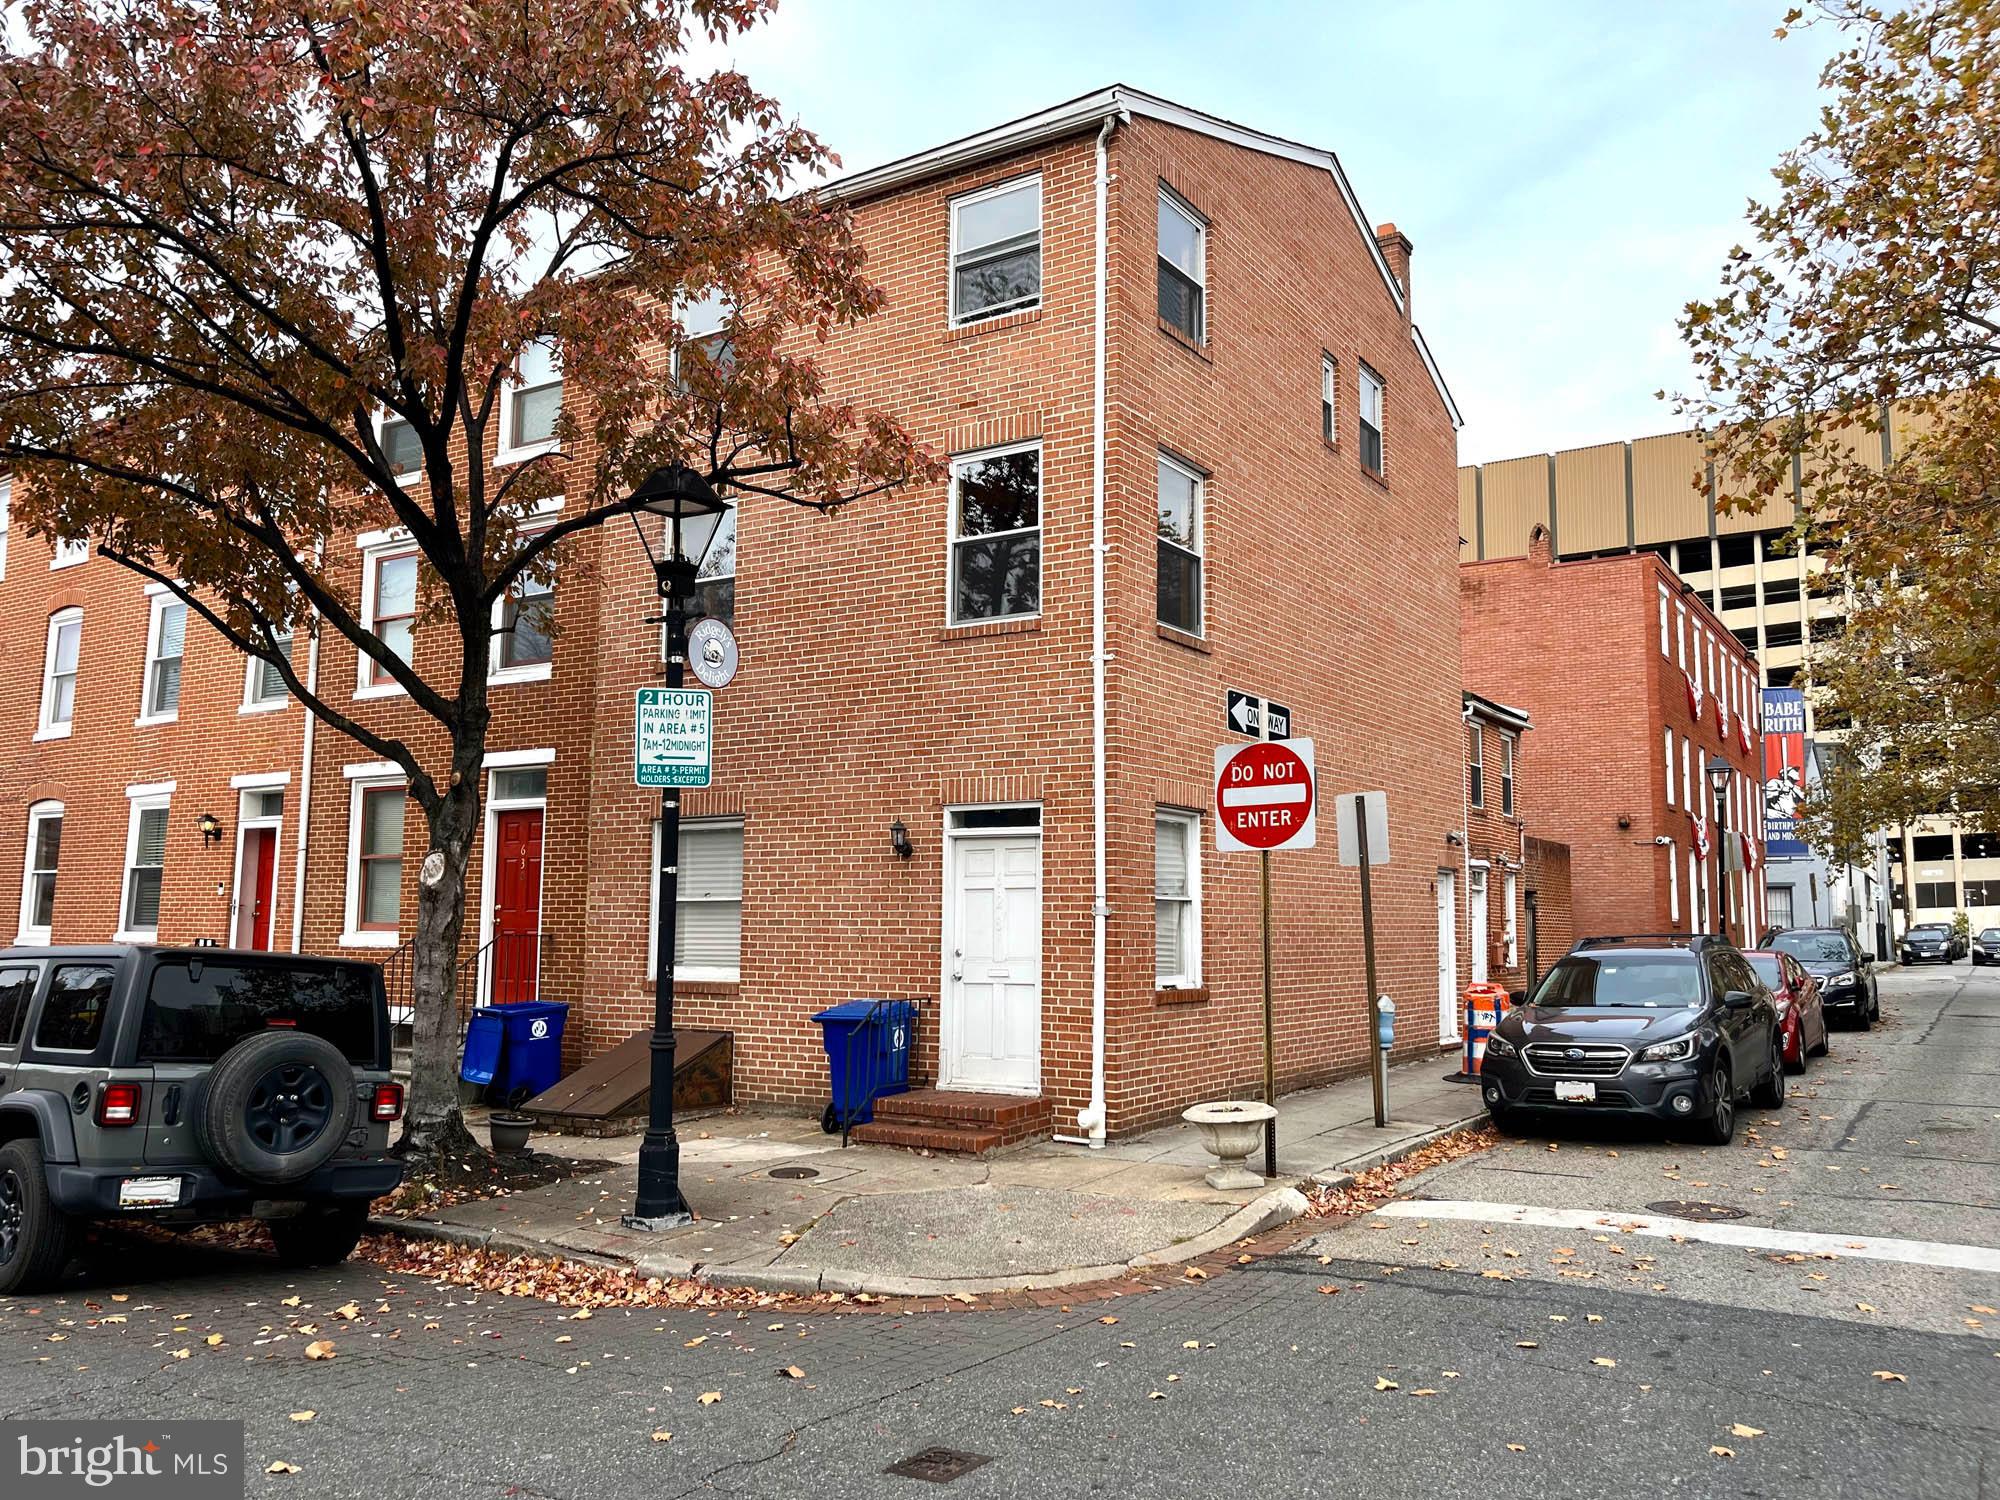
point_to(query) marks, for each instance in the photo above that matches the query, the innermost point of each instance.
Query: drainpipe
(306, 778)
(1465, 858)
(1091, 1119)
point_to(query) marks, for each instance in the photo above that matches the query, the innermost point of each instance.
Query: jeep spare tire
(277, 1106)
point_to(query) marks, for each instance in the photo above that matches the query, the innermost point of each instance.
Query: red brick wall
(1548, 877)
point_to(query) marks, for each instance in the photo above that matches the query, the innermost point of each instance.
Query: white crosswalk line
(1749, 1236)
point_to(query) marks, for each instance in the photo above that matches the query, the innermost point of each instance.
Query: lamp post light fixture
(211, 828)
(1719, 773)
(899, 840)
(692, 513)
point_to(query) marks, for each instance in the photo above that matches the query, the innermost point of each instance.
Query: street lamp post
(692, 512)
(1719, 772)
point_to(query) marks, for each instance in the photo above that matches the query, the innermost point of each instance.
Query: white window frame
(69, 552)
(416, 476)
(511, 390)
(45, 727)
(1700, 652)
(965, 200)
(1174, 202)
(253, 681)
(1673, 882)
(1199, 551)
(1687, 776)
(6, 517)
(1681, 636)
(1510, 931)
(377, 548)
(1666, 631)
(540, 671)
(156, 796)
(712, 973)
(1365, 378)
(1669, 734)
(160, 600)
(375, 776)
(952, 538)
(38, 813)
(1329, 400)
(1191, 925)
(1509, 798)
(1475, 760)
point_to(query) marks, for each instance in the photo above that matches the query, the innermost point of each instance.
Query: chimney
(1541, 546)
(1396, 250)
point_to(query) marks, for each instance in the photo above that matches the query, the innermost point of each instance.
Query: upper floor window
(525, 622)
(1369, 397)
(145, 868)
(59, 673)
(403, 449)
(1670, 766)
(996, 250)
(389, 610)
(1329, 386)
(1507, 748)
(263, 684)
(1666, 632)
(1180, 522)
(1475, 765)
(705, 326)
(166, 640)
(38, 878)
(715, 583)
(1183, 268)
(532, 402)
(6, 517)
(996, 535)
(69, 553)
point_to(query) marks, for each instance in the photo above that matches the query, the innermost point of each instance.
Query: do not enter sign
(1264, 796)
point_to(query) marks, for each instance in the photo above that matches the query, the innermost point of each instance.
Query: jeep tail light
(118, 1104)
(388, 1103)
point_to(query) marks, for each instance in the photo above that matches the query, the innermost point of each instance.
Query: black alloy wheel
(1720, 1127)
(288, 1107)
(13, 1213)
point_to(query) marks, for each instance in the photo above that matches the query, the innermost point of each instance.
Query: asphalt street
(1437, 1348)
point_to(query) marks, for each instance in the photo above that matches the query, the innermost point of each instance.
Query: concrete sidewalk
(783, 1207)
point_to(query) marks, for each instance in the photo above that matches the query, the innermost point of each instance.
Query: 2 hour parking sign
(1265, 796)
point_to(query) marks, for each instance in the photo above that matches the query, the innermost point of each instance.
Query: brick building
(1517, 896)
(1197, 443)
(1634, 686)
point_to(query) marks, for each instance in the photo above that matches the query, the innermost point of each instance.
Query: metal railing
(512, 960)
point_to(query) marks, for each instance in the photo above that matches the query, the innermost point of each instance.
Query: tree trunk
(434, 1123)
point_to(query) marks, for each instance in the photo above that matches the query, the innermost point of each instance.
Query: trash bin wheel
(830, 1122)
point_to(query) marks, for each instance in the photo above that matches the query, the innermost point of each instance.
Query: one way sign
(1246, 713)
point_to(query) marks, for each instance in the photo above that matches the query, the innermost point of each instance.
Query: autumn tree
(240, 241)
(1872, 284)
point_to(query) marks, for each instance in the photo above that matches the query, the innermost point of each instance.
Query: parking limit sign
(672, 737)
(1265, 796)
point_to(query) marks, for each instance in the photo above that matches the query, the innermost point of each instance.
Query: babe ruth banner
(1784, 771)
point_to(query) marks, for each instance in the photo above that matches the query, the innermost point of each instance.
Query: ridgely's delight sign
(672, 742)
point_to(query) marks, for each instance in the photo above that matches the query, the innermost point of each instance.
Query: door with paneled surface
(991, 1033)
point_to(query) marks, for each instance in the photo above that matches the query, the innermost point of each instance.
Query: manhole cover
(1685, 1208)
(792, 1174)
(938, 1465)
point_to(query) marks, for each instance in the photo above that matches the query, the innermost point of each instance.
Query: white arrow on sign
(1243, 714)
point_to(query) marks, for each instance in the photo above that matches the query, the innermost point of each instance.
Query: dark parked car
(1930, 943)
(1842, 969)
(1986, 947)
(189, 1085)
(1801, 1016)
(1667, 1028)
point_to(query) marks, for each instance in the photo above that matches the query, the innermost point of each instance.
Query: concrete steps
(953, 1123)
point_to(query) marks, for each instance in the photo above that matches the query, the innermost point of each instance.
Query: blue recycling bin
(867, 1056)
(515, 1049)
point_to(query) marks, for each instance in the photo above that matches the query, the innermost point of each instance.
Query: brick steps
(953, 1123)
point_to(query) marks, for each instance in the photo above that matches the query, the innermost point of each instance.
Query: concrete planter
(1231, 1129)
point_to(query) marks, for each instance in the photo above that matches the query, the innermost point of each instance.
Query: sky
(1570, 174)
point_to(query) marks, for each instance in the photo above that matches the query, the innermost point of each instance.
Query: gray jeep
(188, 1085)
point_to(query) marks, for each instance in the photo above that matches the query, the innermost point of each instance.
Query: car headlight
(1680, 1049)
(1498, 1046)
(1839, 979)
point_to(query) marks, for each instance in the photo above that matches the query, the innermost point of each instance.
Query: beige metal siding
(1517, 497)
(1590, 499)
(1665, 505)
(1468, 514)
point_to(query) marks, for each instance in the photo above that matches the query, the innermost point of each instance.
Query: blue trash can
(516, 1049)
(867, 1056)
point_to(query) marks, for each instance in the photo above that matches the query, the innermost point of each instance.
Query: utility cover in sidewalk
(1685, 1208)
(938, 1465)
(792, 1174)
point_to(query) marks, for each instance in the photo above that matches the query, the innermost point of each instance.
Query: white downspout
(1464, 900)
(1091, 1119)
(305, 786)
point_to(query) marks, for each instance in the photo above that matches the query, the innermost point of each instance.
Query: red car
(1801, 1017)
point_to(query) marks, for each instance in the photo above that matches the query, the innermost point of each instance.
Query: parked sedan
(1928, 943)
(1986, 947)
(1843, 970)
(1801, 1016)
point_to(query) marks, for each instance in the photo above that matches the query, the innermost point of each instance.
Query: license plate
(149, 1192)
(1576, 1093)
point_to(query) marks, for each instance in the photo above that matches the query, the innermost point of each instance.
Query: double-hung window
(166, 640)
(708, 909)
(1670, 766)
(69, 552)
(59, 674)
(389, 611)
(996, 535)
(38, 879)
(1183, 268)
(375, 862)
(1180, 545)
(1176, 900)
(1369, 404)
(715, 582)
(403, 449)
(533, 402)
(263, 684)
(145, 865)
(526, 626)
(996, 250)
(1666, 635)
(1475, 765)
(6, 517)
(1329, 405)
(1507, 747)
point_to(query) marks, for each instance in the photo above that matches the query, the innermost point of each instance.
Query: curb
(1353, 1169)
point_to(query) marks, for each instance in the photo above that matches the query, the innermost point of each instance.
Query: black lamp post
(692, 512)
(1719, 772)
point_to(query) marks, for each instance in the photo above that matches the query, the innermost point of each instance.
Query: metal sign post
(1362, 821)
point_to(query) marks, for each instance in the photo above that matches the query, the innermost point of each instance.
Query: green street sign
(673, 737)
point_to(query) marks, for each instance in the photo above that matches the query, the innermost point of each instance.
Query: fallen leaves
(1721, 1452)
(709, 1398)
(663, 1436)
(279, 1466)
(793, 1372)
(1609, 1364)
(304, 1416)
(1517, 1447)
(1384, 1383)
(320, 1349)
(1365, 1191)
(1739, 1429)
(1886, 1376)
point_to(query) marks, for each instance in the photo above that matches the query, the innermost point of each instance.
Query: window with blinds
(1176, 926)
(147, 867)
(708, 917)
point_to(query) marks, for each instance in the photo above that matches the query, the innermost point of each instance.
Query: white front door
(1447, 956)
(1475, 897)
(991, 1032)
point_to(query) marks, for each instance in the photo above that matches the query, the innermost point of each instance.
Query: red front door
(517, 906)
(260, 858)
